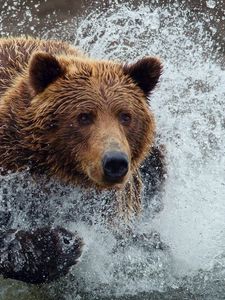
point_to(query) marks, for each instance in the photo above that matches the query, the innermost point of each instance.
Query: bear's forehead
(99, 71)
(98, 81)
(103, 89)
(101, 77)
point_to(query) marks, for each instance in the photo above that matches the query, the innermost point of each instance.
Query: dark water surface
(52, 14)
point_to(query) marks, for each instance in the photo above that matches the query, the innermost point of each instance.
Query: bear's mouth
(103, 182)
(115, 184)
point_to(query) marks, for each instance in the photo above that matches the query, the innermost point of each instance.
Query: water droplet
(211, 4)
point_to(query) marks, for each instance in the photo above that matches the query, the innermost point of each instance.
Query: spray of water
(188, 105)
(189, 109)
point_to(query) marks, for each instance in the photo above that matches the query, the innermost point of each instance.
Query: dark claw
(39, 256)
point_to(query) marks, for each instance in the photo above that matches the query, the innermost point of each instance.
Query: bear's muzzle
(115, 166)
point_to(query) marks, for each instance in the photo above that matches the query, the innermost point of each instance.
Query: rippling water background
(189, 106)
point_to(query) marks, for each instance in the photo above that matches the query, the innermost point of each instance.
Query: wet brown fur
(38, 114)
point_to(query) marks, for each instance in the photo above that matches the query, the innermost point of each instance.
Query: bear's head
(89, 121)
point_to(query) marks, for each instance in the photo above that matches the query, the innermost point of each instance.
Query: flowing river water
(189, 105)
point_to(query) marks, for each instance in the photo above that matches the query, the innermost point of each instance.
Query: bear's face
(91, 118)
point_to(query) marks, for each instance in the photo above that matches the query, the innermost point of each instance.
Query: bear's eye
(124, 118)
(85, 118)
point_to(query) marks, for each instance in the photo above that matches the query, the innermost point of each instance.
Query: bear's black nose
(115, 166)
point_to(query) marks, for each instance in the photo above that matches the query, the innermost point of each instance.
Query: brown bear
(78, 120)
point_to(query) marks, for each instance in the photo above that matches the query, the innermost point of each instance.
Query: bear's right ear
(145, 73)
(44, 69)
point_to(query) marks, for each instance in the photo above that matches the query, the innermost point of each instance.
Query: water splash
(189, 107)
(211, 3)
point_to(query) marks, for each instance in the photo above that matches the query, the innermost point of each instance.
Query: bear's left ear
(44, 69)
(145, 73)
